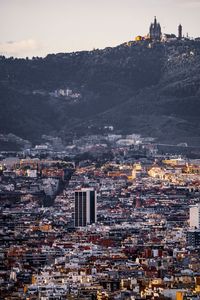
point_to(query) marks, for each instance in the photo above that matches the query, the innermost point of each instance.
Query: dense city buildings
(102, 216)
(118, 223)
(100, 173)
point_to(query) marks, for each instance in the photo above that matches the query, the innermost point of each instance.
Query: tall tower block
(195, 216)
(180, 31)
(85, 212)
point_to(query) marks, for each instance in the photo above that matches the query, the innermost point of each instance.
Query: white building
(32, 173)
(195, 215)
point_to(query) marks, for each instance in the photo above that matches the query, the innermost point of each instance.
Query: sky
(38, 27)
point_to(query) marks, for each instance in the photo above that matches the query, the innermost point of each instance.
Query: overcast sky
(38, 27)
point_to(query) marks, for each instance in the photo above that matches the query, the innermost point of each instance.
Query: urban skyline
(99, 150)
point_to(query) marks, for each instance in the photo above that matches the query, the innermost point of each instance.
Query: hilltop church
(155, 33)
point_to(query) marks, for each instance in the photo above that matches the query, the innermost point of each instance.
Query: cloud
(19, 48)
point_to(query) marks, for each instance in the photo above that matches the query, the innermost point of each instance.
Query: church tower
(180, 32)
(155, 31)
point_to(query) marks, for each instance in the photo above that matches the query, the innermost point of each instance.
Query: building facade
(180, 31)
(193, 238)
(195, 216)
(85, 211)
(155, 31)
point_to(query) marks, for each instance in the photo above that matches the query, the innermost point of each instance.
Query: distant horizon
(30, 29)
(76, 51)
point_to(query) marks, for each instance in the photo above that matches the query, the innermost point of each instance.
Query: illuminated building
(156, 172)
(138, 38)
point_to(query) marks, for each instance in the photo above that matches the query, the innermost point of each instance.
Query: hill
(153, 90)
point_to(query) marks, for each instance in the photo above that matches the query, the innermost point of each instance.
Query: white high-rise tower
(195, 216)
(85, 212)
